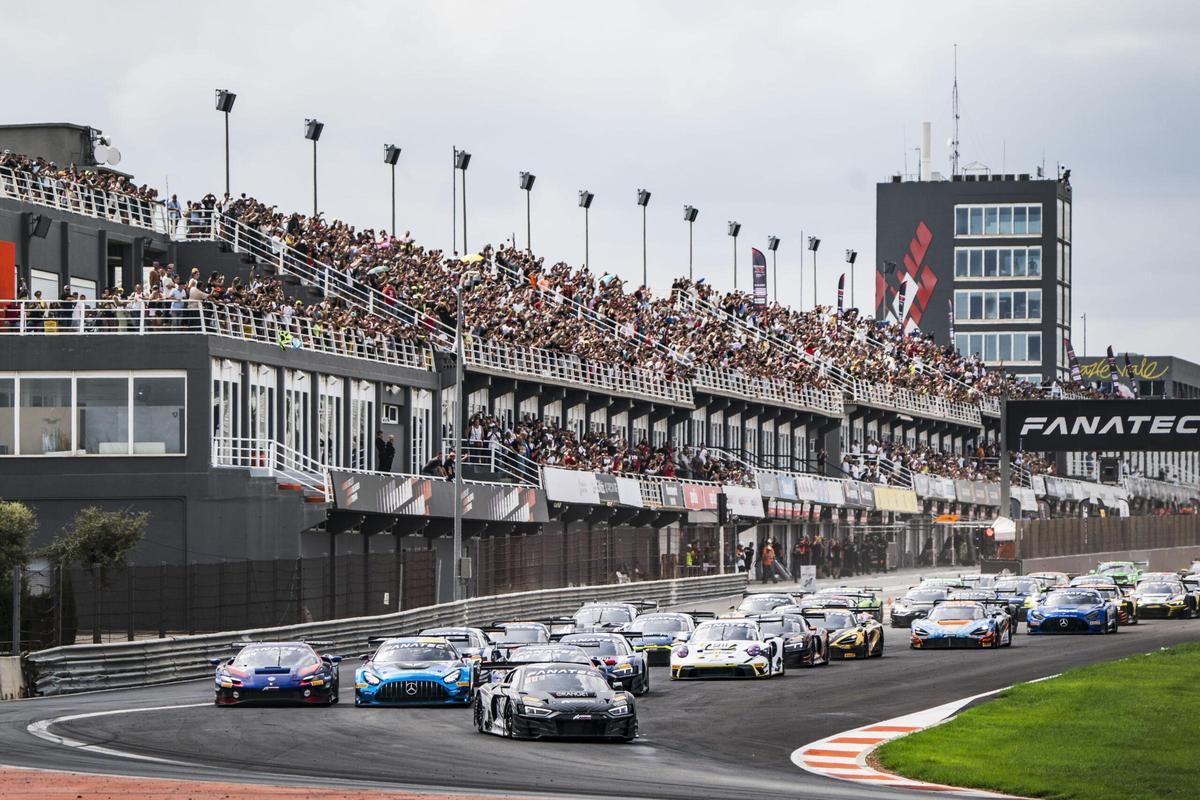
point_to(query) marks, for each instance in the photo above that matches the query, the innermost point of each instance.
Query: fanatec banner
(1091, 425)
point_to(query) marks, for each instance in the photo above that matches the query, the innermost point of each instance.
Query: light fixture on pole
(225, 100)
(462, 160)
(585, 202)
(391, 154)
(813, 244)
(527, 179)
(312, 132)
(689, 216)
(643, 200)
(851, 257)
(734, 229)
(773, 246)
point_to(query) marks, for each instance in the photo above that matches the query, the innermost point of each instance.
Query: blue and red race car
(276, 672)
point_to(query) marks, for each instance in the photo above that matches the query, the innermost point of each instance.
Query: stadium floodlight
(527, 179)
(734, 229)
(312, 132)
(643, 200)
(813, 244)
(585, 202)
(225, 99)
(391, 154)
(851, 257)
(462, 160)
(689, 216)
(773, 246)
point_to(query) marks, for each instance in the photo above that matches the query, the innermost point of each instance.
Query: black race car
(916, 604)
(804, 644)
(558, 701)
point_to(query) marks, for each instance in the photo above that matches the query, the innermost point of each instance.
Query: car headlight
(535, 711)
(979, 630)
(371, 678)
(620, 710)
(1095, 615)
(1178, 600)
(899, 609)
(452, 676)
(623, 669)
(1036, 615)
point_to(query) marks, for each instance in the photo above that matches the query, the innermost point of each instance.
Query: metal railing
(284, 260)
(278, 459)
(148, 317)
(501, 460)
(555, 367)
(79, 198)
(827, 402)
(896, 398)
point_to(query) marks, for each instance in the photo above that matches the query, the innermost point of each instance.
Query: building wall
(62, 143)
(915, 229)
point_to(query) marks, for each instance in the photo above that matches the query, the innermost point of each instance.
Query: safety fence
(1045, 538)
(78, 198)
(76, 668)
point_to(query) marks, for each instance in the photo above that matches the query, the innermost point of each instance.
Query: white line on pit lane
(41, 729)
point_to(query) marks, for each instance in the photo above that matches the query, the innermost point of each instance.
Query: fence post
(246, 601)
(299, 589)
(129, 632)
(16, 609)
(58, 613)
(188, 582)
(96, 581)
(162, 600)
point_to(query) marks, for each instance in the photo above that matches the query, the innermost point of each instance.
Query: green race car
(1125, 573)
(866, 598)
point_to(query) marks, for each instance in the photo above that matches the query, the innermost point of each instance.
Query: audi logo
(410, 688)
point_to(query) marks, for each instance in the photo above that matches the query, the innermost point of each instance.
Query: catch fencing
(76, 668)
(1045, 538)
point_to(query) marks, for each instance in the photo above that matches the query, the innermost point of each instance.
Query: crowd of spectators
(39, 176)
(513, 297)
(598, 451)
(885, 462)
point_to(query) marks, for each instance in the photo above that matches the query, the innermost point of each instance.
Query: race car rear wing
(699, 614)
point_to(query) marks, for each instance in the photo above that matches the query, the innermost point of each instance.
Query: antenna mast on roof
(954, 141)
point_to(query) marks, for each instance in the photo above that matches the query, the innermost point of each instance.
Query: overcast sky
(782, 116)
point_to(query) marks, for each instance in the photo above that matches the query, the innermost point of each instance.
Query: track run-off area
(728, 739)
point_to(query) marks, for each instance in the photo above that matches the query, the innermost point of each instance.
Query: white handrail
(277, 458)
(146, 317)
(79, 198)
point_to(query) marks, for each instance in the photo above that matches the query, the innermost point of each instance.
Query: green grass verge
(1121, 730)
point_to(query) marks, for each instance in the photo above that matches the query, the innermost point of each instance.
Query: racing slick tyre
(1008, 639)
(864, 652)
(644, 685)
(632, 735)
(879, 650)
(508, 722)
(479, 716)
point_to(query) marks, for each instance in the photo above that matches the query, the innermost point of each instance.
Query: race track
(721, 739)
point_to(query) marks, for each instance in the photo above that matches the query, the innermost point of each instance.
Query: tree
(97, 539)
(17, 525)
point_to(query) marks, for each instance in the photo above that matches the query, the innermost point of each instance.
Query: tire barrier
(78, 668)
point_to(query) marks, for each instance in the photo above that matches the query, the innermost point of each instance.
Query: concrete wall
(12, 680)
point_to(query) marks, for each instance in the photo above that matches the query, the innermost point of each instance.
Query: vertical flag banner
(1076, 375)
(900, 312)
(950, 317)
(1114, 377)
(758, 268)
(1133, 381)
(841, 292)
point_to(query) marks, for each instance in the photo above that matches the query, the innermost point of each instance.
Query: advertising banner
(700, 496)
(768, 483)
(414, 496)
(744, 501)
(1099, 425)
(672, 495)
(609, 492)
(570, 486)
(894, 498)
(629, 492)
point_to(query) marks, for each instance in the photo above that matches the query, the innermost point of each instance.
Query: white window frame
(74, 450)
(984, 208)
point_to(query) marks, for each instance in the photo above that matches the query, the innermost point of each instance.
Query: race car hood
(951, 627)
(408, 668)
(721, 652)
(583, 702)
(1157, 597)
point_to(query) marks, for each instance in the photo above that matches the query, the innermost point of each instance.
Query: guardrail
(76, 668)
(503, 460)
(896, 398)
(79, 198)
(155, 317)
(556, 367)
(827, 402)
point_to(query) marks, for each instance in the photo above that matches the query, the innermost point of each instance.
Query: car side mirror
(335, 659)
(365, 657)
(215, 662)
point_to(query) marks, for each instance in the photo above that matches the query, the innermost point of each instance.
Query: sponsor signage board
(1101, 425)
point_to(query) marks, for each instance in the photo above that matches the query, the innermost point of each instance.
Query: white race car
(728, 648)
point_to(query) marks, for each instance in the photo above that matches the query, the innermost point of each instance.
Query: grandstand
(239, 371)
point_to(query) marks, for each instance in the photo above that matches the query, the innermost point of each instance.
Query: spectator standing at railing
(174, 212)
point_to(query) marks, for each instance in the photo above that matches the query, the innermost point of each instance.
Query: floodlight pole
(314, 177)
(528, 224)
(587, 258)
(459, 586)
(227, 154)
(690, 223)
(1005, 469)
(393, 201)
(464, 210)
(644, 272)
(775, 272)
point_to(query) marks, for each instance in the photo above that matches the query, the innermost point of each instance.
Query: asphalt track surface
(718, 739)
